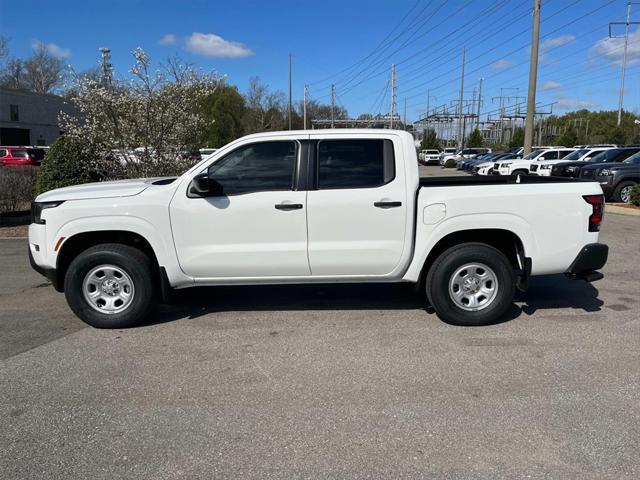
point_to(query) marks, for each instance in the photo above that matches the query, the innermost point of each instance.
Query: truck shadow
(549, 292)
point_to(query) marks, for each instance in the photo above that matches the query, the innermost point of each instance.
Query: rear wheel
(622, 193)
(111, 286)
(471, 284)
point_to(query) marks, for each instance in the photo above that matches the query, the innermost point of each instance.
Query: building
(29, 118)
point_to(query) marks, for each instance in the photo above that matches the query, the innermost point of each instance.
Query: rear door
(356, 211)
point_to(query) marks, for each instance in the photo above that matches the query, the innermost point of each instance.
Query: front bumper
(592, 257)
(50, 273)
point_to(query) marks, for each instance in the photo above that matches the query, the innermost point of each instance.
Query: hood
(610, 166)
(86, 191)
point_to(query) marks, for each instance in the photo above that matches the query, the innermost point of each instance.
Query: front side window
(258, 167)
(552, 155)
(355, 163)
(19, 154)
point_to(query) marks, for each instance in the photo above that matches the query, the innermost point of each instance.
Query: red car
(21, 156)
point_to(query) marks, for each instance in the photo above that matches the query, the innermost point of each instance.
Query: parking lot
(332, 381)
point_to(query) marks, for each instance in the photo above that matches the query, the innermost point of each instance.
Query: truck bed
(493, 180)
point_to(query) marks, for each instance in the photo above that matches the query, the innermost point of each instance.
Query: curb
(621, 210)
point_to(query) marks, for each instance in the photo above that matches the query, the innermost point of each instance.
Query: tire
(448, 269)
(622, 193)
(515, 173)
(124, 283)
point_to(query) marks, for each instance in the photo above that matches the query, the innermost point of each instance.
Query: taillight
(597, 205)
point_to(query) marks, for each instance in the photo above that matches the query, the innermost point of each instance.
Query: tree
(145, 125)
(13, 74)
(430, 140)
(265, 110)
(225, 109)
(568, 138)
(475, 139)
(517, 139)
(43, 71)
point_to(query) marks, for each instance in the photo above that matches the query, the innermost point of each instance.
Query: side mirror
(201, 184)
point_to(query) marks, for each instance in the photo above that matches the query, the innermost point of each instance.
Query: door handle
(387, 204)
(288, 206)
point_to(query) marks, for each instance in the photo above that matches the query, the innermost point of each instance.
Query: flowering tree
(145, 125)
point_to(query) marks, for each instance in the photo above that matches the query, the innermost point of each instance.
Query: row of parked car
(616, 168)
(22, 155)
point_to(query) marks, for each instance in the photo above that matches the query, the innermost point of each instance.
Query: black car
(572, 169)
(616, 180)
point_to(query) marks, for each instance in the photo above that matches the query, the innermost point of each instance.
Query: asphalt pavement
(331, 381)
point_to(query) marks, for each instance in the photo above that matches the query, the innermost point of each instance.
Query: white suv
(525, 164)
(543, 168)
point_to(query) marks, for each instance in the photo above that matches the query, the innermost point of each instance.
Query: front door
(256, 228)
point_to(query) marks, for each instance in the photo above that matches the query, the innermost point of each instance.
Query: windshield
(576, 154)
(633, 158)
(36, 153)
(533, 154)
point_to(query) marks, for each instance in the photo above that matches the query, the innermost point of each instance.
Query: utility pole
(405, 113)
(393, 95)
(460, 132)
(289, 91)
(333, 103)
(479, 101)
(533, 77)
(624, 57)
(304, 106)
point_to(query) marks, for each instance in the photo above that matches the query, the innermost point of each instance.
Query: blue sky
(579, 67)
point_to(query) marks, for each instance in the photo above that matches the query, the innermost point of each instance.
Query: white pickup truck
(314, 207)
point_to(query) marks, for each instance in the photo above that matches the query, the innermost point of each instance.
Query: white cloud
(612, 49)
(211, 45)
(565, 103)
(557, 42)
(168, 39)
(52, 48)
(501, 64)
(550, 85)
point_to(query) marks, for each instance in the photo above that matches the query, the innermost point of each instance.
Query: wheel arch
(82, 241)
(506, 241)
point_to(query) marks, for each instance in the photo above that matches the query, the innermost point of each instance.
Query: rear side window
(355, 163)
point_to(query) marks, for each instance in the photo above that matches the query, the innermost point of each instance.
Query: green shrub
(451, 163)
(16, 188)
(635, 195)
(69, 161)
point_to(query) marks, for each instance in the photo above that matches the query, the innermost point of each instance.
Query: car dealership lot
(338, 381)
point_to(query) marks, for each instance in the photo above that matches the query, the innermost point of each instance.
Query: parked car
(429, 157)
(21, 156)
(544, 167)
(446, 153)
(528, 163)
(487, 167)
(616, 180)
(612, 155)
(313, 207)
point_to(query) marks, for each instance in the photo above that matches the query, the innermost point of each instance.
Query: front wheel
(471, 284)
(111, 286)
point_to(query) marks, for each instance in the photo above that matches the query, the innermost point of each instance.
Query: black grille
(534, 168)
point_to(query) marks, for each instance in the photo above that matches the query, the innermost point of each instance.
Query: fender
(427, 236)
(162, 245)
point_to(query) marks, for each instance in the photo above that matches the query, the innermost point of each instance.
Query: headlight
(606, 172)
(571, 169)
(38, 207)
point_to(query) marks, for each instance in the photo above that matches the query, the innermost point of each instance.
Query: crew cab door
(256, 226)
(357, 208)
